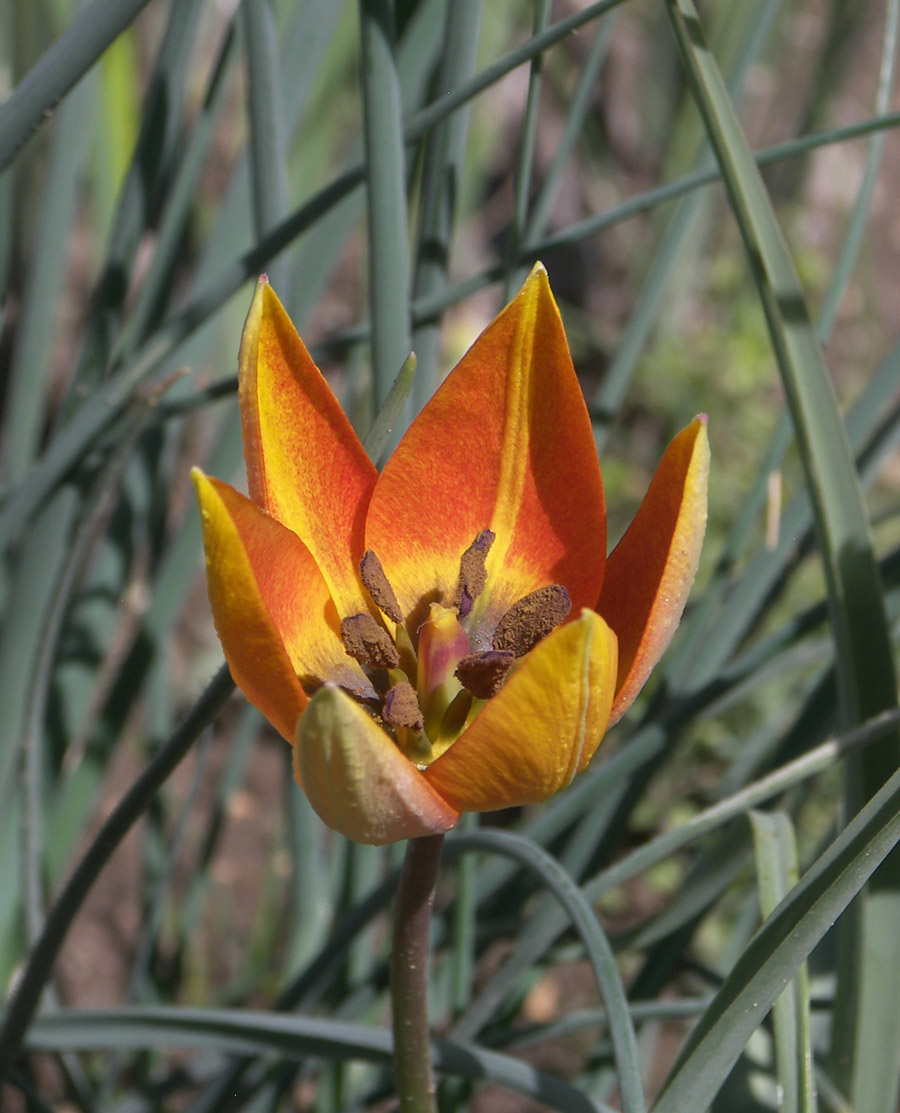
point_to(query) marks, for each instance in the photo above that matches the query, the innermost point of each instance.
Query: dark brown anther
(376, 582)
(472, 574)
(531, 618)
(368, 643)
(401, 707)
(483, 674)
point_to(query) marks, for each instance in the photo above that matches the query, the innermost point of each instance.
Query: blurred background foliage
(154, 158)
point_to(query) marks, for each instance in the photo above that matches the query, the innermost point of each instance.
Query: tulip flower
(448, 635)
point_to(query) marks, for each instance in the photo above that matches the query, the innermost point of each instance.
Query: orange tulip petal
(504, 444)
(294, 593)
(254, 649)
(541, 729)
(650, 572)
(358, 781)
(305, 464)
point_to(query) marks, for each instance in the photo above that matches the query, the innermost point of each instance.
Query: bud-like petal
(541, 729)
(357, 779)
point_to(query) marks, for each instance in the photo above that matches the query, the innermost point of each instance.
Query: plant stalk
(409, 975)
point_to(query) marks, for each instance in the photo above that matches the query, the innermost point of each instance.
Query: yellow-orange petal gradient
(505, 444)
(295, 595)
(650, 572)
(254, 649)
(356, 778)
(541, 729)
(305, 464)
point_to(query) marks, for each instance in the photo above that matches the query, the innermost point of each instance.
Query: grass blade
(441, 183)
(67, 60)
(776, 868)
(268, 143)
(291, 1036)
(577, 910)
(25, 409)
(868, 1005)
(24, 1000)
(386, 188)
(777, 950)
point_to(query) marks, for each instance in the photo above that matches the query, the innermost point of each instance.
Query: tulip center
(429, 682)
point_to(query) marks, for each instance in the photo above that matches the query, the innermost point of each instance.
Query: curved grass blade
(853, 240)
(24, 1000)
(268, 142)
(863, 646)
(777, 950)
(290, 1036)
(378, 437)
(442, 167)
(32, 590)
(149, 168)
(867, 1014)
(169, 239)
(386, 191)
(776, 869)
(577, 911)
(25, 407)
(524, 160)
(67, 60)
(681, 234)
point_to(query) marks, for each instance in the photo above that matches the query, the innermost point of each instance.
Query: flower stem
(409, 975)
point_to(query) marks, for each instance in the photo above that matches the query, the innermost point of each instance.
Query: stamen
(472, 574)
(376, 582)
(401, 707)
(531, 618)
(368, 643)
(483, 674)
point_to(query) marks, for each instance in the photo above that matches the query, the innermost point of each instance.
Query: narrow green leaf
(684, 228)
(776, 870)
(577, 910)
(863, 646)
(524, 159)
(95, 26)
(290, 1036)
(268, 139)
(777, 950)
(24, 1000)
(378, 437)
(25, 411)
(389, 268)
(856, 229)
(442, 169)
(37, 567)
(868, 1005)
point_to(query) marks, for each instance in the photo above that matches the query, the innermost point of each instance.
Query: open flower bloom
(449, 635)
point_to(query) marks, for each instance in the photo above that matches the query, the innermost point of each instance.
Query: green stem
(409, 975)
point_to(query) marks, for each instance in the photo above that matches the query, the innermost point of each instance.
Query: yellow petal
(291, 586)
(254, 649)
(358, 781)
(650, 572)
(541, 729)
